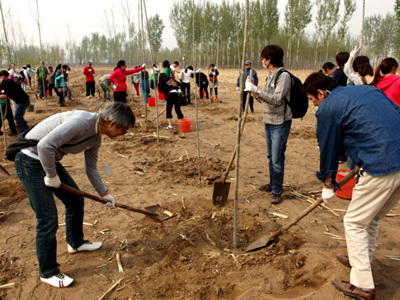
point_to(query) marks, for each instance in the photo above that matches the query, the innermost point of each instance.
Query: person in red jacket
(90, 73)
(387, 80)
(118, 79)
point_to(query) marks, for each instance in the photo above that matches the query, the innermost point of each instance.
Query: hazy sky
(85, 16)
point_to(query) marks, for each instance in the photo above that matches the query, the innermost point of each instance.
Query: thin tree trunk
(195, 97)
(154, 73)
(362, 28)
(5, 34)
(298, 50)
(327, 49)
(316, 52)
(236, 199)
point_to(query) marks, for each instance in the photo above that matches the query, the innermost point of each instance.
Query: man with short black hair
(247, 69)
(366, 122)
(90, 85)
(13, 90)
(41, 173)
(42, 76)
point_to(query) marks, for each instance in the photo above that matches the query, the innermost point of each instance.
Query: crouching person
(365, 121)
(41, 173)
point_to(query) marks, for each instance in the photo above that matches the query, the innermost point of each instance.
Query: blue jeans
(19, 115)
(276, 137)
(31, 174)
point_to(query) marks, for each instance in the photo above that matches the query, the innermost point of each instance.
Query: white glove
(110, 199)
(250, 87)
(114, 86)
(52, 182)
(62, 75)
(354, 52)
(198, 71)
(237, 88)
(94, 74)
(212, 73)
(144, 66)
(327, 194)
(90, 70)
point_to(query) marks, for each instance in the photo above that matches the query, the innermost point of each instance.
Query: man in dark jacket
(255, 82)
(13, 90)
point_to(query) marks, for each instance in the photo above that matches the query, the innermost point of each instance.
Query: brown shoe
(352, 291)
(344, 260)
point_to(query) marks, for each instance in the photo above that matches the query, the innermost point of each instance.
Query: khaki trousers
(373, 198)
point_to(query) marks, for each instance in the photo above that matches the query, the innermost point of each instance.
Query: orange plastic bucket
(184, 125)
(151, 101)
(347, 189)
(161, 96)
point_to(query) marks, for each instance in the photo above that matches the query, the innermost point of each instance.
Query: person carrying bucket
(171, 88)
(365, 121)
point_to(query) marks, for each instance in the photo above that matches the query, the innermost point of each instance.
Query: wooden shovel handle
(101, 200)
(318, 202)
(241, 131)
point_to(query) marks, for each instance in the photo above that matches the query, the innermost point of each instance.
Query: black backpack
(298, 101)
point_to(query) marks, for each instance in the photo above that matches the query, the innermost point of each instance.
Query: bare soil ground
(190, 256)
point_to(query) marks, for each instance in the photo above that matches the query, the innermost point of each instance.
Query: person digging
(365, 122)
(41, 173)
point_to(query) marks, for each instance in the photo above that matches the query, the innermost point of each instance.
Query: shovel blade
(221, 192)
(161, 213)
(264, 241)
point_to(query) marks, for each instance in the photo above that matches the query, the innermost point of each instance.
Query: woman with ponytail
(387, 80)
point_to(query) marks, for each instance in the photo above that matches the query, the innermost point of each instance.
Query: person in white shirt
(185, 78)
(173, 68)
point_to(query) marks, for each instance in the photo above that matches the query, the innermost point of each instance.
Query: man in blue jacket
(255, 82)
(366, 123)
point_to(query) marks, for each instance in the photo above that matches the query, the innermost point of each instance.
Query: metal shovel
(148, 212)
(268, 239)
(221, 188)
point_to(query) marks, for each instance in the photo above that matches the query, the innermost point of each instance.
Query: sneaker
(276, 199)
(265, 188)
(89, 97)
(168, 127)
(252, 111)
(216, 98)
(86, 246)
(212, 98)
(62, 105)
(58, 280)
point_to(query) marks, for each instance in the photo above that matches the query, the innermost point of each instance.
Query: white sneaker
(58, 280)
(86, 246)
(89, 97)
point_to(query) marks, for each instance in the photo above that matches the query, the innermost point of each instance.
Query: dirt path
(190, 256)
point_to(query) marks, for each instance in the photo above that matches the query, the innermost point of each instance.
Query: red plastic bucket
(161, 96)
(347, 189)
(184, 125)
(152, 101)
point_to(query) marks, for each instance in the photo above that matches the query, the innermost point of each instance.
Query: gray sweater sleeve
(351, 75)
(92, 172)
(281, 90)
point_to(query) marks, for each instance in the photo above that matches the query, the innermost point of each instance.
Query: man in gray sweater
(41, 173)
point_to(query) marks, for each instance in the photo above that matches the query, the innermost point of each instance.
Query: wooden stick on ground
(120, 269)
(7, 286)
(110, 289)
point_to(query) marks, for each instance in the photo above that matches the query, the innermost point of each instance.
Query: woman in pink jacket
(387, 80)
(118, 79)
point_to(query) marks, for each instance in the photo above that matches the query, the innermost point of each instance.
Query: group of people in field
(358, 116)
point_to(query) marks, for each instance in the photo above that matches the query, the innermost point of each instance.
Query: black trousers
(172, 100)
(216, 91)
(203, 87)
(120, 96)
(8, 114)
(186, 90)
(51, 88)
(89, 88)
(251, 101)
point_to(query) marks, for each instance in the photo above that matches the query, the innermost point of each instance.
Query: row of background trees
(217, 26)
